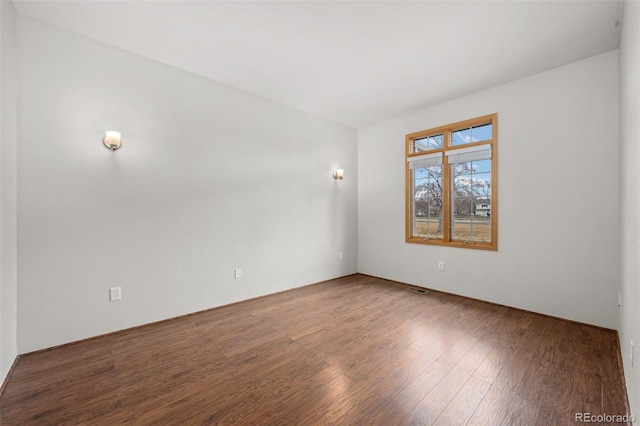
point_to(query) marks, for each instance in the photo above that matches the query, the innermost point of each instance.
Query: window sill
(458, 244)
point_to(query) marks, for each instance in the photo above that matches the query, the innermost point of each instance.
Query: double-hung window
(451, 185)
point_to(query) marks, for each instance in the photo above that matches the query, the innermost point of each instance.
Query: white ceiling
(353, 62)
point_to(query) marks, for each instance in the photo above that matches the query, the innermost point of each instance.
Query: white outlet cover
(115, 293)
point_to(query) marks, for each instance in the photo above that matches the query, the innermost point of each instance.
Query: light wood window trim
(447, 130)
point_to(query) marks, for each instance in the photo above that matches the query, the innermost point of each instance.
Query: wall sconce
(112, 139)
(338, 174)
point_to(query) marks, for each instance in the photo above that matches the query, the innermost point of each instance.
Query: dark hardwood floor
(353, 351)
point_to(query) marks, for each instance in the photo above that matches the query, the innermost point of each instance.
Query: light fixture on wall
(112, 139)
(338, 174)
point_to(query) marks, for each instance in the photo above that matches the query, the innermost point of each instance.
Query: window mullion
(446, 192)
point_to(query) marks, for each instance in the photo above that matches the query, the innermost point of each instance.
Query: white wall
(630, 196)
(8, 203)
(208, 179)
(558, 197)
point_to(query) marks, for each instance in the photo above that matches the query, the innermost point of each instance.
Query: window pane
(472, 229)
(428, 143)
(427, 202)
(482, 133)
(481, 166)
(461, 137)
(472, 134)
(471, 201)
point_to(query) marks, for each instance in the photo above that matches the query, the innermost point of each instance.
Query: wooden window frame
(447, 131)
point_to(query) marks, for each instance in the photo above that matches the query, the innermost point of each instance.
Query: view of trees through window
(452, 200)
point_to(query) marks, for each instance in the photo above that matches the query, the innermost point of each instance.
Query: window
(451, 185)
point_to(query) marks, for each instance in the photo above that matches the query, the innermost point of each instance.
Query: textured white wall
(8, 201)
(630, 196)
(208, 179)
(558, 197)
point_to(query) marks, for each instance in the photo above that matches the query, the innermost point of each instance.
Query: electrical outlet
(340, 256)
(237, 273)
(441, 266)
(619, 299)
(115, 293)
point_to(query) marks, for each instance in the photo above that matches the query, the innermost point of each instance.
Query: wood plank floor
(353, 351)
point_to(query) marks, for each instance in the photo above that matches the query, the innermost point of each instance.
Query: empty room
(331, 212)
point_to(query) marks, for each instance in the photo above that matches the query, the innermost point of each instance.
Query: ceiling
(352, 62)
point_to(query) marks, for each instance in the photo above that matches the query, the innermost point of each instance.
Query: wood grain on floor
(355, 350)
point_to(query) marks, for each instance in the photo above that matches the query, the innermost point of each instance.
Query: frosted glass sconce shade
(112, 140)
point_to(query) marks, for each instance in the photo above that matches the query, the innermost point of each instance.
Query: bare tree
(467, 192)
